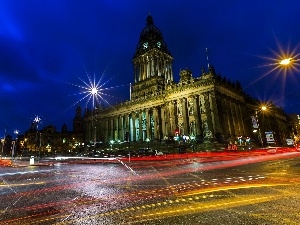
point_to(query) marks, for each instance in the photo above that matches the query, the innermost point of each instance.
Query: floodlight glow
(94, 91)
(285, 61)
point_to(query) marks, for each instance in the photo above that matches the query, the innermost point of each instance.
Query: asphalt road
(260, 189)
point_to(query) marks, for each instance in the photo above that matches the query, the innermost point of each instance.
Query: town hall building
(207, 107)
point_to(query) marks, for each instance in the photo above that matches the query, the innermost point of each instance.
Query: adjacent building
(49, 140)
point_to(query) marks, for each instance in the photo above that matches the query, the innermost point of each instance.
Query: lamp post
(262, 108)
(16, 132)
(94, 93)
(37, 120)
(258, 128)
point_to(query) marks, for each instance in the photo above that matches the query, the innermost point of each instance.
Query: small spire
(207, 58)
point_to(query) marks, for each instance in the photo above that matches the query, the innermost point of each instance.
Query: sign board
(289, 142)
(270, 137)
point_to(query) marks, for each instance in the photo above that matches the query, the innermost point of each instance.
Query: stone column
(135, 72)
(140, 126)
(116, 130)
(214, 113)
(231, 117)
(185, 117)
(172, 117)
(112, 129)
(106, 129)
(145, 69)
(163, 121)
(197, 114)
(167, 120)
(235, 116)
(240, 118)
(226, 119)
(141, 70)
(156, 122)
(148, 122)
(121, 128)
(133, 134)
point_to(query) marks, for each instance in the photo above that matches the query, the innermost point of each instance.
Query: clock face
(145, 45)
(158, 44)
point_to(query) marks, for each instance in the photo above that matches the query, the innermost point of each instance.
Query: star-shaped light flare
(37, 119)
(284, 62)
(94, 92)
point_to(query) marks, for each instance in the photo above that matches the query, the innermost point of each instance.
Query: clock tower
(152, 63)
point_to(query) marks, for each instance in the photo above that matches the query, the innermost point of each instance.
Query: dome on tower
(150, 38)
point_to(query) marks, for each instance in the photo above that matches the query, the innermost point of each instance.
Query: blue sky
(48, 47)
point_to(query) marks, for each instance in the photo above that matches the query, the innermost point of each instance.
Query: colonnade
(204, 114)
(187, 115)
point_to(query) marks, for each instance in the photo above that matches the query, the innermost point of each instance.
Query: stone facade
(206, 107)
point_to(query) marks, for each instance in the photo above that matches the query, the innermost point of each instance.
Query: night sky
(48, 48)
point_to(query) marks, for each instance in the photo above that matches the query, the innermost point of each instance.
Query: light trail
(157, 210)
(22, 184)
(183, 191)
(24, 172)
(210, 166)
(127, 166)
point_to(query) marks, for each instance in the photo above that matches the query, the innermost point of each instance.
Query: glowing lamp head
(37, 119)
(94, 91)
(263, 108)
(285, 61)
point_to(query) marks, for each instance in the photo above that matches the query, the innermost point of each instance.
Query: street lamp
(37, 120)
(94, 93)
(285, 62)
(256, 124)
(16, 132)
